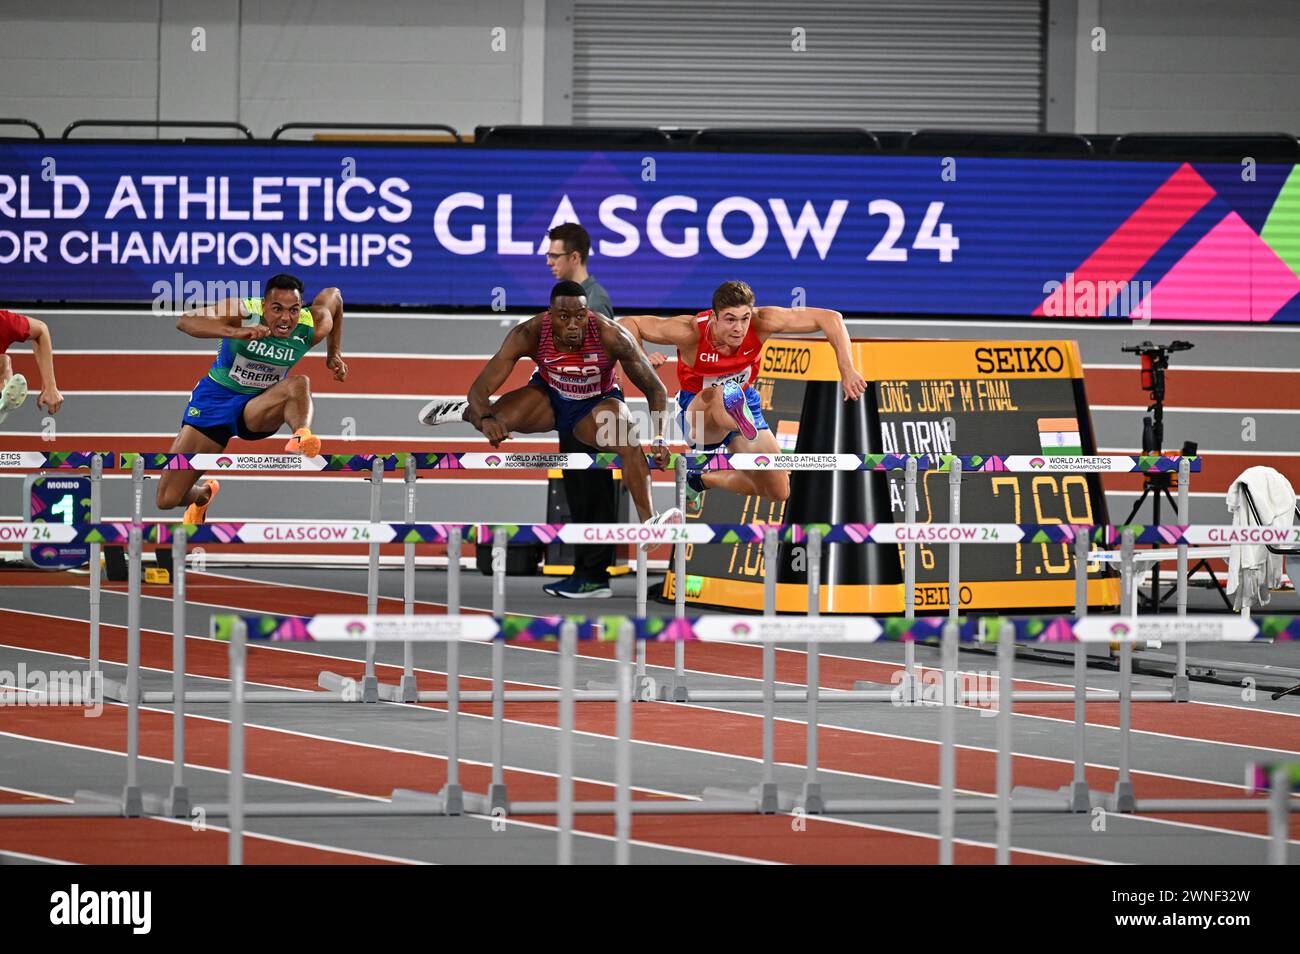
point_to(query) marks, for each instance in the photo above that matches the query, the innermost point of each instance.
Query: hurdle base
(498, 799)
(812, 802)
(453, 800)
(1121, 800)
(132, 801)
(674, 692)
(1181, 690)
(404, 691)
(178, 803)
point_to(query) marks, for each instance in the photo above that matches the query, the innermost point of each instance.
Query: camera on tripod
(1155, 361)
(1156, 484)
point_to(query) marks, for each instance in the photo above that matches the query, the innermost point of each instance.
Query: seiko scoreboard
(923, 397)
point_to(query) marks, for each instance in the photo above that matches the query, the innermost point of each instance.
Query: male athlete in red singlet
(574, 389)
(718, 353)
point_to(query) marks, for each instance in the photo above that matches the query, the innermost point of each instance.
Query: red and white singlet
(576, 375)
(711, 368)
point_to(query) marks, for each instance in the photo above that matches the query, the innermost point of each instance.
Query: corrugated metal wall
(887, 64)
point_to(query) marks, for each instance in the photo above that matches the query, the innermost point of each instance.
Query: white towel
(1252, 570)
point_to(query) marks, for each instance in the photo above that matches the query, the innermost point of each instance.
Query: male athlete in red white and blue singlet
(574, 389)
(718, 354)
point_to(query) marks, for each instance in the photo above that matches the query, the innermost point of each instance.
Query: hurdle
(811, 630)
(797, 629)
(336, 689)
(889, 533)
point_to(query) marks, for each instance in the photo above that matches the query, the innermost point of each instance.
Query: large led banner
(437, 226)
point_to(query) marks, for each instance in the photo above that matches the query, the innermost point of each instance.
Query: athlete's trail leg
(609, 428)
(525, 410)
(176, 487)
(708, 423)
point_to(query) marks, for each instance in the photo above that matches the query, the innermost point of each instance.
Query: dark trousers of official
(590, 495)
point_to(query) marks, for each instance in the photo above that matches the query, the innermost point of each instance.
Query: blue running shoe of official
(578, 588)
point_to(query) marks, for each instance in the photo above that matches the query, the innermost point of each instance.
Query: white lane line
(10, 853)
(186, 822)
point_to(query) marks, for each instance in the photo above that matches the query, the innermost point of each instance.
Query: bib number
(256, 374)
(740, 377)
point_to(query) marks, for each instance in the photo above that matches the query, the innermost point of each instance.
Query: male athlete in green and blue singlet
(248, 390)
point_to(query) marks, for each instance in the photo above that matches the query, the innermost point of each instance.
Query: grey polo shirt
(598, 298)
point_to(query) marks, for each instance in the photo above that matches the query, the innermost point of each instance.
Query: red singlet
(13, 327)
(577, 375)
(711, 368)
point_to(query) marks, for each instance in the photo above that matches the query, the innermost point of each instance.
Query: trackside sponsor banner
(1259, 536)
(796, 461)
(761, 629)
(316, 533)
(434, 225)
(946, 533)
(37, 533)
(524, 461)
(15, 459)
(293, 462)
(635, 533)
(341, 627)
(1224, 628)
(1068, 464)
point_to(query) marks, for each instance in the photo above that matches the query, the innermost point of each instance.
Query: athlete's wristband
(658, 441)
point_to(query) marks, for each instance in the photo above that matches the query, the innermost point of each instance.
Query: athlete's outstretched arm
(770, 320)
(327, 312)
(619, 343)
(43, 350)
(678, 330)
(222, 320)
(520, 343)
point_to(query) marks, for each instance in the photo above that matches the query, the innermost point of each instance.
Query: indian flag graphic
(787, 435)
(1059, 436)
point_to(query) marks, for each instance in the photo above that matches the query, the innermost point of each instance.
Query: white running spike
(443, 411)
(14, 393)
